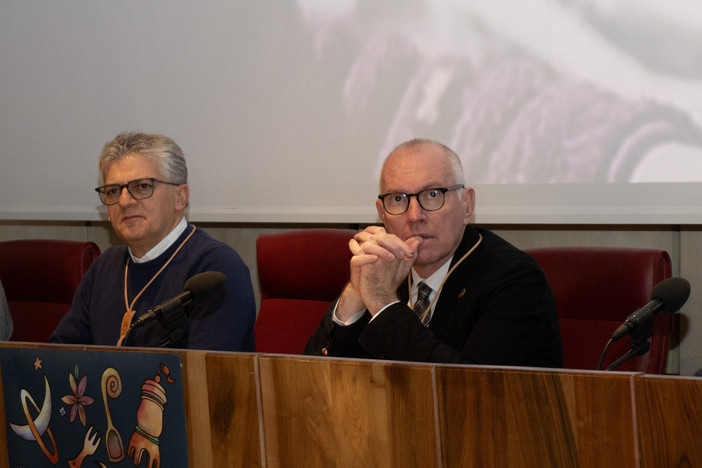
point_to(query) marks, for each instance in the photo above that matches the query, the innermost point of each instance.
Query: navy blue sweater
(226, 323)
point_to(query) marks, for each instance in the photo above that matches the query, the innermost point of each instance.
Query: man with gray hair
(430, 287)
(146, 192)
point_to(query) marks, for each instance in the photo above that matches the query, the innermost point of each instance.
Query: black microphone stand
(174, 327)
(639, 344)
(173, 324)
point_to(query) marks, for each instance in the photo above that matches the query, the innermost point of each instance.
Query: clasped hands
(380, 262)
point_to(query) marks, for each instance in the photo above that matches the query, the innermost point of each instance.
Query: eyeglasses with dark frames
(431, 199)
(139, 189)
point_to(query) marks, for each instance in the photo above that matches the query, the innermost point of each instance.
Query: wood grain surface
(539, 418)
(266, 410)
(327, 413)
(669, 414)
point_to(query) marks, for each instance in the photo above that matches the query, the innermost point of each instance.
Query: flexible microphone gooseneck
(198, 290)
(667, 297)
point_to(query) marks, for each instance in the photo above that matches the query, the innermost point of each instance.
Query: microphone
(667, 297)
(199, 290)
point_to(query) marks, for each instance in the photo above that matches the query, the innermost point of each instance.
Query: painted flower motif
(78, 400)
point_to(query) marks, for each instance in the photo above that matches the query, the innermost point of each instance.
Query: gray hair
(158, 147)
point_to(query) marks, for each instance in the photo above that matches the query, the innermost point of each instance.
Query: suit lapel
(457, 286)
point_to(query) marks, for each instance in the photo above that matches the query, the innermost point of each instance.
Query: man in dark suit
(489, 302)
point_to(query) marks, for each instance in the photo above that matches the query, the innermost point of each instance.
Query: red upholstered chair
(39, 277)
(596, 289)
(300, 273)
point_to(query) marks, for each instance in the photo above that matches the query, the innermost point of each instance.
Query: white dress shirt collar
(434, 282)
(162, 246)
(435, 279)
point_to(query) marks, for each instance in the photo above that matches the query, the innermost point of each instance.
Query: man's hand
(381, 262)
(375, 240)
(351, 302)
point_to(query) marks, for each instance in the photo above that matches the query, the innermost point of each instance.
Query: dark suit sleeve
(336, 340)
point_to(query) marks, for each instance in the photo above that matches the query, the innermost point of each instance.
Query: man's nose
(126, 198)
(415, 210)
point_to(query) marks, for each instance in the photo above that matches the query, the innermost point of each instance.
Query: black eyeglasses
(432, 199)
(139, 189)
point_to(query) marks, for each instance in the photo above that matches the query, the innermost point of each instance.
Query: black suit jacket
(495, 308)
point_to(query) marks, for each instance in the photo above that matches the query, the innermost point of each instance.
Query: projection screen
(578, 111)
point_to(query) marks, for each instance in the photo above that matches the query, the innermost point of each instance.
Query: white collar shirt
(434, 281)
(162, 246)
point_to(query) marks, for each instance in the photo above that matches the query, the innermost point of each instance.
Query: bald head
(443, 159)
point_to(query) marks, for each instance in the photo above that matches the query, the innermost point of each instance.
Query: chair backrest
(40, 277)
(596, 289)
(300, 273)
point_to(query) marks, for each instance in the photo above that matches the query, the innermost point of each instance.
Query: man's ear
(468, 199)
(182, 196)
(381, 210)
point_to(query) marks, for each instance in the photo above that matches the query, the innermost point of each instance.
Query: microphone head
(673, 293)
(205, 286)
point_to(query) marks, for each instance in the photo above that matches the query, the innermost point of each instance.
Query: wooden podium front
(265, 410)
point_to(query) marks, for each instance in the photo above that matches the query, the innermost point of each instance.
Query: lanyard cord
(127, 317)
(438, 291)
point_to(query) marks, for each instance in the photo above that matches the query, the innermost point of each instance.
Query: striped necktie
(421, 307)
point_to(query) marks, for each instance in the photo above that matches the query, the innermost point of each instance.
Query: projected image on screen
(563, 111)
(531, 92)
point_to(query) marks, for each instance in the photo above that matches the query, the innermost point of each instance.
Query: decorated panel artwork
(93, 408)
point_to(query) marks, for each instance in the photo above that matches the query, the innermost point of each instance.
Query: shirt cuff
(353, 319)
(357, 316)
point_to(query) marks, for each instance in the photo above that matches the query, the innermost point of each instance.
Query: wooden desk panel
(669, 416)
(539, 418)
(320, 412)
(278, 411)
(231, 390)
